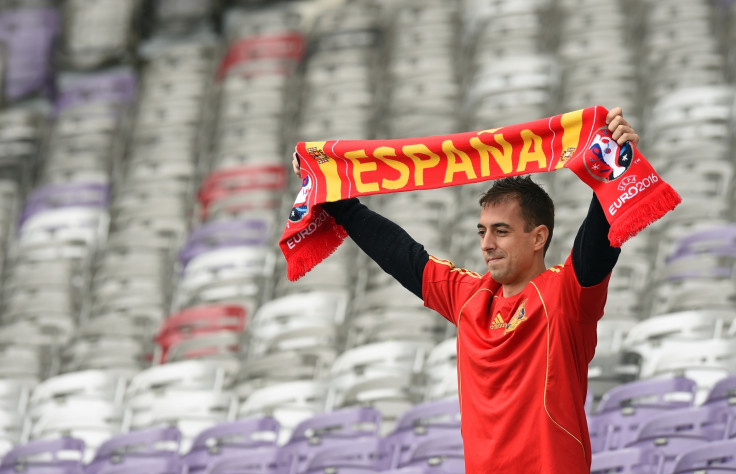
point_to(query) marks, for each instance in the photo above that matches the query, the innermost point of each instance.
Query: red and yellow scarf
(631, 192)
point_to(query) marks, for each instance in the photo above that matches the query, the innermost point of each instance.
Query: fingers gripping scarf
(630, 191)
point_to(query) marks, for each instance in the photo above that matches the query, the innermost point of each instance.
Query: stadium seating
(146, 323)
(667, 435)
(324, 438)
(623, 409)
(426, 430)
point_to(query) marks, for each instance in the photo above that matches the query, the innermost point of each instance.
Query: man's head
(515, 228)
(537, 208)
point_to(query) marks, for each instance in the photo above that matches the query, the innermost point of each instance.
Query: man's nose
(487, 242)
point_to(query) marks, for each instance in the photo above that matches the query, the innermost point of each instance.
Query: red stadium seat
(282, 52)
(228, 182)
(198, 321)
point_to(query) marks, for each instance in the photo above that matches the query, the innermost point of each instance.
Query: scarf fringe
(322, 244)
(634, 219)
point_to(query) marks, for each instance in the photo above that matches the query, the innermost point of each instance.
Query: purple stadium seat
(358, 456)
(114, 87)
(714, 457)
(723, 391)
(130, 448)
(229, 439)
(217, 234)
(76, 194)
(624, 408)
(65, 195)
(420, 470)
(416, 423)
(48, 456)
(437, 449)
(697, 422)
(342, 427)
(598, 431)
(723, 395)
(718, 238)
(668, 434)
(167, 465)
(29, 34)
(262, 460)
(623, 461)
(437, 414)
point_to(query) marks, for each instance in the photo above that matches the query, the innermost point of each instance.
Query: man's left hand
(620, 129)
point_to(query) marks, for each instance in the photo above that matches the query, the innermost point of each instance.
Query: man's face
(511, 253)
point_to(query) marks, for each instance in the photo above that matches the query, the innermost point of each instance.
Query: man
(525, 333)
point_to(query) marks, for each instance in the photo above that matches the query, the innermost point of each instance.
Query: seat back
(163, 465)
(437, 449)
(624, 461)
(49, 456)
(229, 439)
(262, 460)
(422, 421)
(667, 435)
(715, 457)
(624, 408)
(354, 457)
(325, 429)
(158, 442)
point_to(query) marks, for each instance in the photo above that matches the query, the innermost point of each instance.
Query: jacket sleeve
(390, 246)
(593, 257)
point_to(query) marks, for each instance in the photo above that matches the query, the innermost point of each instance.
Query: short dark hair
(536, 206)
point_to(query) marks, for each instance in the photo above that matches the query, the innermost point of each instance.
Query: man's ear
(541, 234)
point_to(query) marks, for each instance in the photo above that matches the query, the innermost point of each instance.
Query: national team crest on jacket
(519, 317)
(604, 159)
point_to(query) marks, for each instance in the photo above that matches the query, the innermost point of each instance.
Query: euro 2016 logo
(604, 159)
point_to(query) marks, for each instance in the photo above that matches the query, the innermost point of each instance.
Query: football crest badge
(604, 159)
